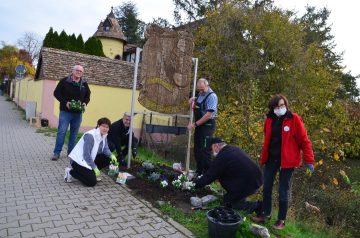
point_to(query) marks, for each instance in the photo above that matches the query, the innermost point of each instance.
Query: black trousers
(202, 150)
(242, 203)
(122, 151)
(285, 175)
(85, 175)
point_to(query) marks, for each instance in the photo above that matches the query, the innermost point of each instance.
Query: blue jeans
(66, 118)
(285, 175)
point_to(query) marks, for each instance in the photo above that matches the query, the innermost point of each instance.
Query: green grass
(51, 132)
(196, 222)
(145, 154)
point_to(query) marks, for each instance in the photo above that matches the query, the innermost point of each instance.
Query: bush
(328, 189)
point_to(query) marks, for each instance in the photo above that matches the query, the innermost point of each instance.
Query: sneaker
(67, 176)
(98, 179)
(55, 157)
(279, 225)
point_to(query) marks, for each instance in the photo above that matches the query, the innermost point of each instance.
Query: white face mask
(215, 154)
(280, 111)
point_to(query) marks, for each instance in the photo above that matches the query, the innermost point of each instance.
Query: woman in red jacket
(285, 139)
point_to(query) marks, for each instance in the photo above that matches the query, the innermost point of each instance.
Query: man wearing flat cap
(237, 173)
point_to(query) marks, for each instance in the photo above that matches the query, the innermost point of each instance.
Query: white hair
(75, 66)
(204, 80)
(127, 114)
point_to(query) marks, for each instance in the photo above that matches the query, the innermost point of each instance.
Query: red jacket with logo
(294, 139)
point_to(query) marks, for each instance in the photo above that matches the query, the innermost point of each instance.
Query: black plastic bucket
(222, 222)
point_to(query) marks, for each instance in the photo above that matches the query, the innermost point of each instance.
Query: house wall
(30, 91)
(112, 47)
(105, 101)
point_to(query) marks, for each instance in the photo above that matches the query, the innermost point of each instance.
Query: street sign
(20, 69)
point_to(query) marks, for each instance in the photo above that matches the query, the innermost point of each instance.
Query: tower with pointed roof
(110, 34)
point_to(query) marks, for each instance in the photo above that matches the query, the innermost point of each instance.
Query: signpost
(20, 70)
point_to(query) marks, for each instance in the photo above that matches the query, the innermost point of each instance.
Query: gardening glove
(113, 159)
(96, 171)
(134, 152)
(310, 167)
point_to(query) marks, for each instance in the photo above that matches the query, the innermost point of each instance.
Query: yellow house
(110, 82)
(110, 34)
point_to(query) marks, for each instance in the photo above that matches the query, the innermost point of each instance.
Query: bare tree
(31, 43)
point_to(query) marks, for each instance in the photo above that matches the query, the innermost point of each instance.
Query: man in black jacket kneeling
(118, 138)
(237, 173)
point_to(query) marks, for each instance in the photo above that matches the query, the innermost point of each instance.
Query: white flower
(188, 186)
(164, 184)
(177, 183)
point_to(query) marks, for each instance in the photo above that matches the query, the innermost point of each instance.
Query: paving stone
(64, 222)
(113, 227)
(42, 225)
(33, 234)
(124, 232)
(76, 227)
(29, 221)
(14, 230)
(89, 231)
(72, 234)
(110, 234)
(45, 206)
(56, 230)
(3, 232)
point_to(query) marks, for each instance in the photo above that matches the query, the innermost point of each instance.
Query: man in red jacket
(285, 139)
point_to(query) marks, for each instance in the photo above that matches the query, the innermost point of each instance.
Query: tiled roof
(115, 30)
(55, 64)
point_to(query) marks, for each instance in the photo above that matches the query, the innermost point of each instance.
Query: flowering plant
(190, 186)
(154, 176)
(177, 183)
(148, 165)
(163, 184)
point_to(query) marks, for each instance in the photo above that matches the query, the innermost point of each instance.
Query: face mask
(280, 111)
(215, 154)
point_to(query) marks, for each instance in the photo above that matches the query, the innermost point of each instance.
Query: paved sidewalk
(35, 201)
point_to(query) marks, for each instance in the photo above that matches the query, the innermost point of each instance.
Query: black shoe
(55, 157)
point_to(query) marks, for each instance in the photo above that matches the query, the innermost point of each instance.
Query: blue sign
(20, 69)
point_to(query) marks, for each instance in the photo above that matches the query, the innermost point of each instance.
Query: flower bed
(162, 184)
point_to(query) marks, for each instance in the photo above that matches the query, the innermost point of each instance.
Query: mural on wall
(166, 70)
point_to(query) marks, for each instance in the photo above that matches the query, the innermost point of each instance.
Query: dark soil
(153, 193)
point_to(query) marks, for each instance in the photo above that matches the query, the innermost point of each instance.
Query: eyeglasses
(79, 71)
(280, 106)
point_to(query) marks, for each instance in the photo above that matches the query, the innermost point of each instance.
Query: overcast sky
(83, 16)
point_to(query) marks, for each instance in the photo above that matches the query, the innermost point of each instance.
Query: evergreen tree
(93, 46)
(73, 43)
(48, 38)
(80, 44)
(55, 41)
(133, 28)
(63, 41)
(318, 32)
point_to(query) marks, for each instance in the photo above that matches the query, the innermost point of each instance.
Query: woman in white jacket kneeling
(90, 155)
